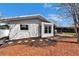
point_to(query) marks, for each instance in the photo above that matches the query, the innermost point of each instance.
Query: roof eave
(42, 18)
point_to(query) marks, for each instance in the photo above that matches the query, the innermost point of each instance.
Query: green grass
(70, 33)
(74, 34)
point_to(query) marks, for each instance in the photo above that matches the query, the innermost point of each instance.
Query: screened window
(47, 29)
(24, 27)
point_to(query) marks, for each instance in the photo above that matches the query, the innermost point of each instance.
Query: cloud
(47, 5)
(57, 8)
(51, 6)
(59, 20)
(55, 17)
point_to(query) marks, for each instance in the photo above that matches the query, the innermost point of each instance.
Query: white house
(29, 27)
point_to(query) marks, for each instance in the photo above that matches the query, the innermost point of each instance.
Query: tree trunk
(77, 31)
(76, 20)
(76, 27)
(78, 34)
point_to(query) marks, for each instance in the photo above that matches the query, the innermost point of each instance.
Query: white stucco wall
(46, 34)
(33, 31)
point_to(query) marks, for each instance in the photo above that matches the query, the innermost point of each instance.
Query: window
(47, 29)
(24, 27)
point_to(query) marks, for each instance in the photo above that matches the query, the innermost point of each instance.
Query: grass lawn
(67, 34)
(70, 33)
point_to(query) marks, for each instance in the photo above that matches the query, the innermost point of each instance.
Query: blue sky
(48, 10)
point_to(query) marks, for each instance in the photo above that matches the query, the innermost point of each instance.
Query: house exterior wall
(43, 35)
(33, 31)
(36, 29)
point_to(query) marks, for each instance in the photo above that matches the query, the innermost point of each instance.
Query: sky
(50, 11)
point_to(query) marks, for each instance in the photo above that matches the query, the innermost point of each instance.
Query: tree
(74, 13)
(70, 10)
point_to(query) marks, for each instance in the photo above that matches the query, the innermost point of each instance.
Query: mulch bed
(35, 43)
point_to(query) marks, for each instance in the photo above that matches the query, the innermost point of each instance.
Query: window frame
(22, 27)
(47, 30)
(50, 29)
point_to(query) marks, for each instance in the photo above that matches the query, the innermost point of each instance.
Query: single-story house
(29, 27)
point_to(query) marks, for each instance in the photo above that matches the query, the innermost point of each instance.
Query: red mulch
(62, 48)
